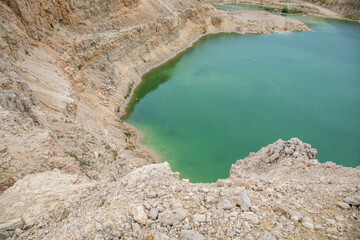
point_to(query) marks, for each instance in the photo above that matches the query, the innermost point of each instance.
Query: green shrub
(284, 10)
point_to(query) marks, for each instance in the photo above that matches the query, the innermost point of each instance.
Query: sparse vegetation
(63, 24)
(54, 120)
(107, 146)
(118, 109)
(129, 90)
(284, 10)
(127, 134)
(81, 161)
(80, 66)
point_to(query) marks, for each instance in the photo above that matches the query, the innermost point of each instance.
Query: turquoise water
(230, 95)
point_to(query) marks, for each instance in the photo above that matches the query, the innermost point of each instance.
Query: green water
(231, 94)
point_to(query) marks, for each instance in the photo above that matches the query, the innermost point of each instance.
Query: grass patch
(349, 17)
(107, 147)
(60, 136)
(129, 90)
(79, 160)
(127, 134)
(118, 109)
(289, 11)
(271, 9)
(48, 33)
(63, 24)
(54, 120)
(80, 66)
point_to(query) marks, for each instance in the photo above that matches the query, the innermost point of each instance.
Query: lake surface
(230, 95)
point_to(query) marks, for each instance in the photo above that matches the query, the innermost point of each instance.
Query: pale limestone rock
(172, 217)
(252, 217)
(198, 217)
(191, 235)
(139, 214)
(343, 205)
(266, 236)
(244, 201)
(153, 213)
(353, 200)
(11, 225)
(225, 203)
(332, 230)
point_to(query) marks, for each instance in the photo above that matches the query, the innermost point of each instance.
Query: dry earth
(71, 169)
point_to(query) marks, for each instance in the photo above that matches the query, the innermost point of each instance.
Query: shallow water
(231, 94)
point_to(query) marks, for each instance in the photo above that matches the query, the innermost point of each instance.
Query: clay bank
(71, 169)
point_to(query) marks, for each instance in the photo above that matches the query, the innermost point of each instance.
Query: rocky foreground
(280, 192)
(71, 169)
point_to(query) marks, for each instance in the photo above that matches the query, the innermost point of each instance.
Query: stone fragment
(252, 217)
(153, 213)
(281, 209)
(224, 203)
(161, 236)
(254, 209)
(191, 235)
(273, 157)
(3, 149)
(244, 201)
(198, 217)
(139, 214)
(172, 217)
(295, 216)
(353, 200)
(343, 205)
(11, 225)
(308, 225)
(266, 236)
(210, 199)
(332, 230)
(135, 227)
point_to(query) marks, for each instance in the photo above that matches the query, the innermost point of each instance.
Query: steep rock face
(344, 7)
(347, 8)
(13, 38)
(43, 14)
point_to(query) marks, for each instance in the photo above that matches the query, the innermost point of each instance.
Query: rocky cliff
(349, 9)
(71, 169)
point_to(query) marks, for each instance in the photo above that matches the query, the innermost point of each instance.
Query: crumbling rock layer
(291, 196)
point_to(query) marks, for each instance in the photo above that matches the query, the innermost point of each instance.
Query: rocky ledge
(280, 192)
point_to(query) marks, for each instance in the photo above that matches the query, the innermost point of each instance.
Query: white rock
(244, 201)
(343, 205)
(191, 235)
(353, 200)
(139, 214)
(161, 236)
(252, 217)
(332, 230)
(153, 213)
(11, 225)
(266, 236)
(308, 225)
(198, 217)
(173, 217)
(224, 203)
